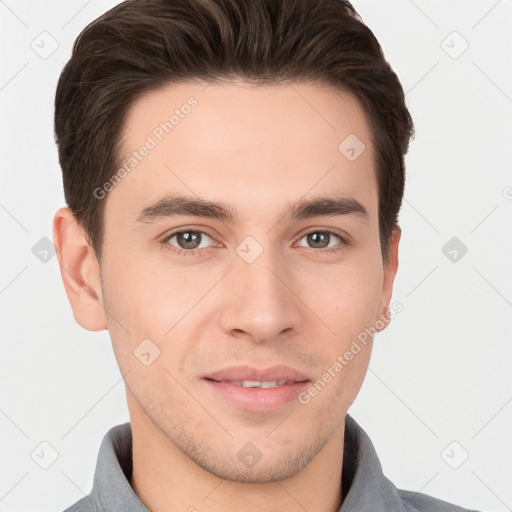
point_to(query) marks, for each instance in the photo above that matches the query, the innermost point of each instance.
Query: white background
(440, 373)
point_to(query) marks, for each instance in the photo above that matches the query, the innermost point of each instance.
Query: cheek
(349, 305)
(157, 391)
(146, 301)
(350, 299)
(141, 291)
(355, 362)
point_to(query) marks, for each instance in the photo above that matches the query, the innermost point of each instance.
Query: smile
(257, 383)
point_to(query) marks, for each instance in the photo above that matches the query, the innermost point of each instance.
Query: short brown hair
(141, 45)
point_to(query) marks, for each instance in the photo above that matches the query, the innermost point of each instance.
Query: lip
(246, 372)
(257, 399)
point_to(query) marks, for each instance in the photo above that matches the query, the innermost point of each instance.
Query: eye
(188, 241)
(193, 242)
(322, 240)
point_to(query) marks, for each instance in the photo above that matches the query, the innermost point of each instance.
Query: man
(233, 172)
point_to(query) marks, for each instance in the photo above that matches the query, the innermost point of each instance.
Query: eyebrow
(179, 205)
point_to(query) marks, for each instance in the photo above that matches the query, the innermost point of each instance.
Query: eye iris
(313, 237)
(187, 239)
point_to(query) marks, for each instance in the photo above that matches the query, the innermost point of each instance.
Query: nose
(264, 300)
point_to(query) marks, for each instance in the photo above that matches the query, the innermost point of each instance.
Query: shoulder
(83, 505)
(417, 502)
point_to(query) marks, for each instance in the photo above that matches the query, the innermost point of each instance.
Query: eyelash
(198, 252)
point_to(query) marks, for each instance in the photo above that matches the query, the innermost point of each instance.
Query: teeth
(258, 383)
(269, 384)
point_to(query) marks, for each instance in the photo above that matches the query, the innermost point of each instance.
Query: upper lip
(246, 372)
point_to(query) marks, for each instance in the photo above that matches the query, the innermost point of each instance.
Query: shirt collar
(368, 488)
(364, 485)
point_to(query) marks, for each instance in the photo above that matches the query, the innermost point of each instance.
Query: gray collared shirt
(365, 487)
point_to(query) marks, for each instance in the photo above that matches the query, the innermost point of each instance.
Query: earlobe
(80, 271)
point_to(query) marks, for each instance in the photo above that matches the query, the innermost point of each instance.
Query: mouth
(265, 384)
(252, 376)
(256, 390)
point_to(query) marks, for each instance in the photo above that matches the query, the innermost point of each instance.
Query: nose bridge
(263, 304)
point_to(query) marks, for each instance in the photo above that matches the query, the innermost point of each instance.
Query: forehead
(221, 109)
(251, 146)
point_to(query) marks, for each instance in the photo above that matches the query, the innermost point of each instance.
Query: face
(200, 298)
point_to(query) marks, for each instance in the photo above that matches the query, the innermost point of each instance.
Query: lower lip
(258, 399)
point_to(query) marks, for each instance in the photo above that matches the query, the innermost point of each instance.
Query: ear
(80, 271)
(390, 269)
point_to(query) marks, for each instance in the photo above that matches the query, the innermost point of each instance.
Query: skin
(255, 149)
